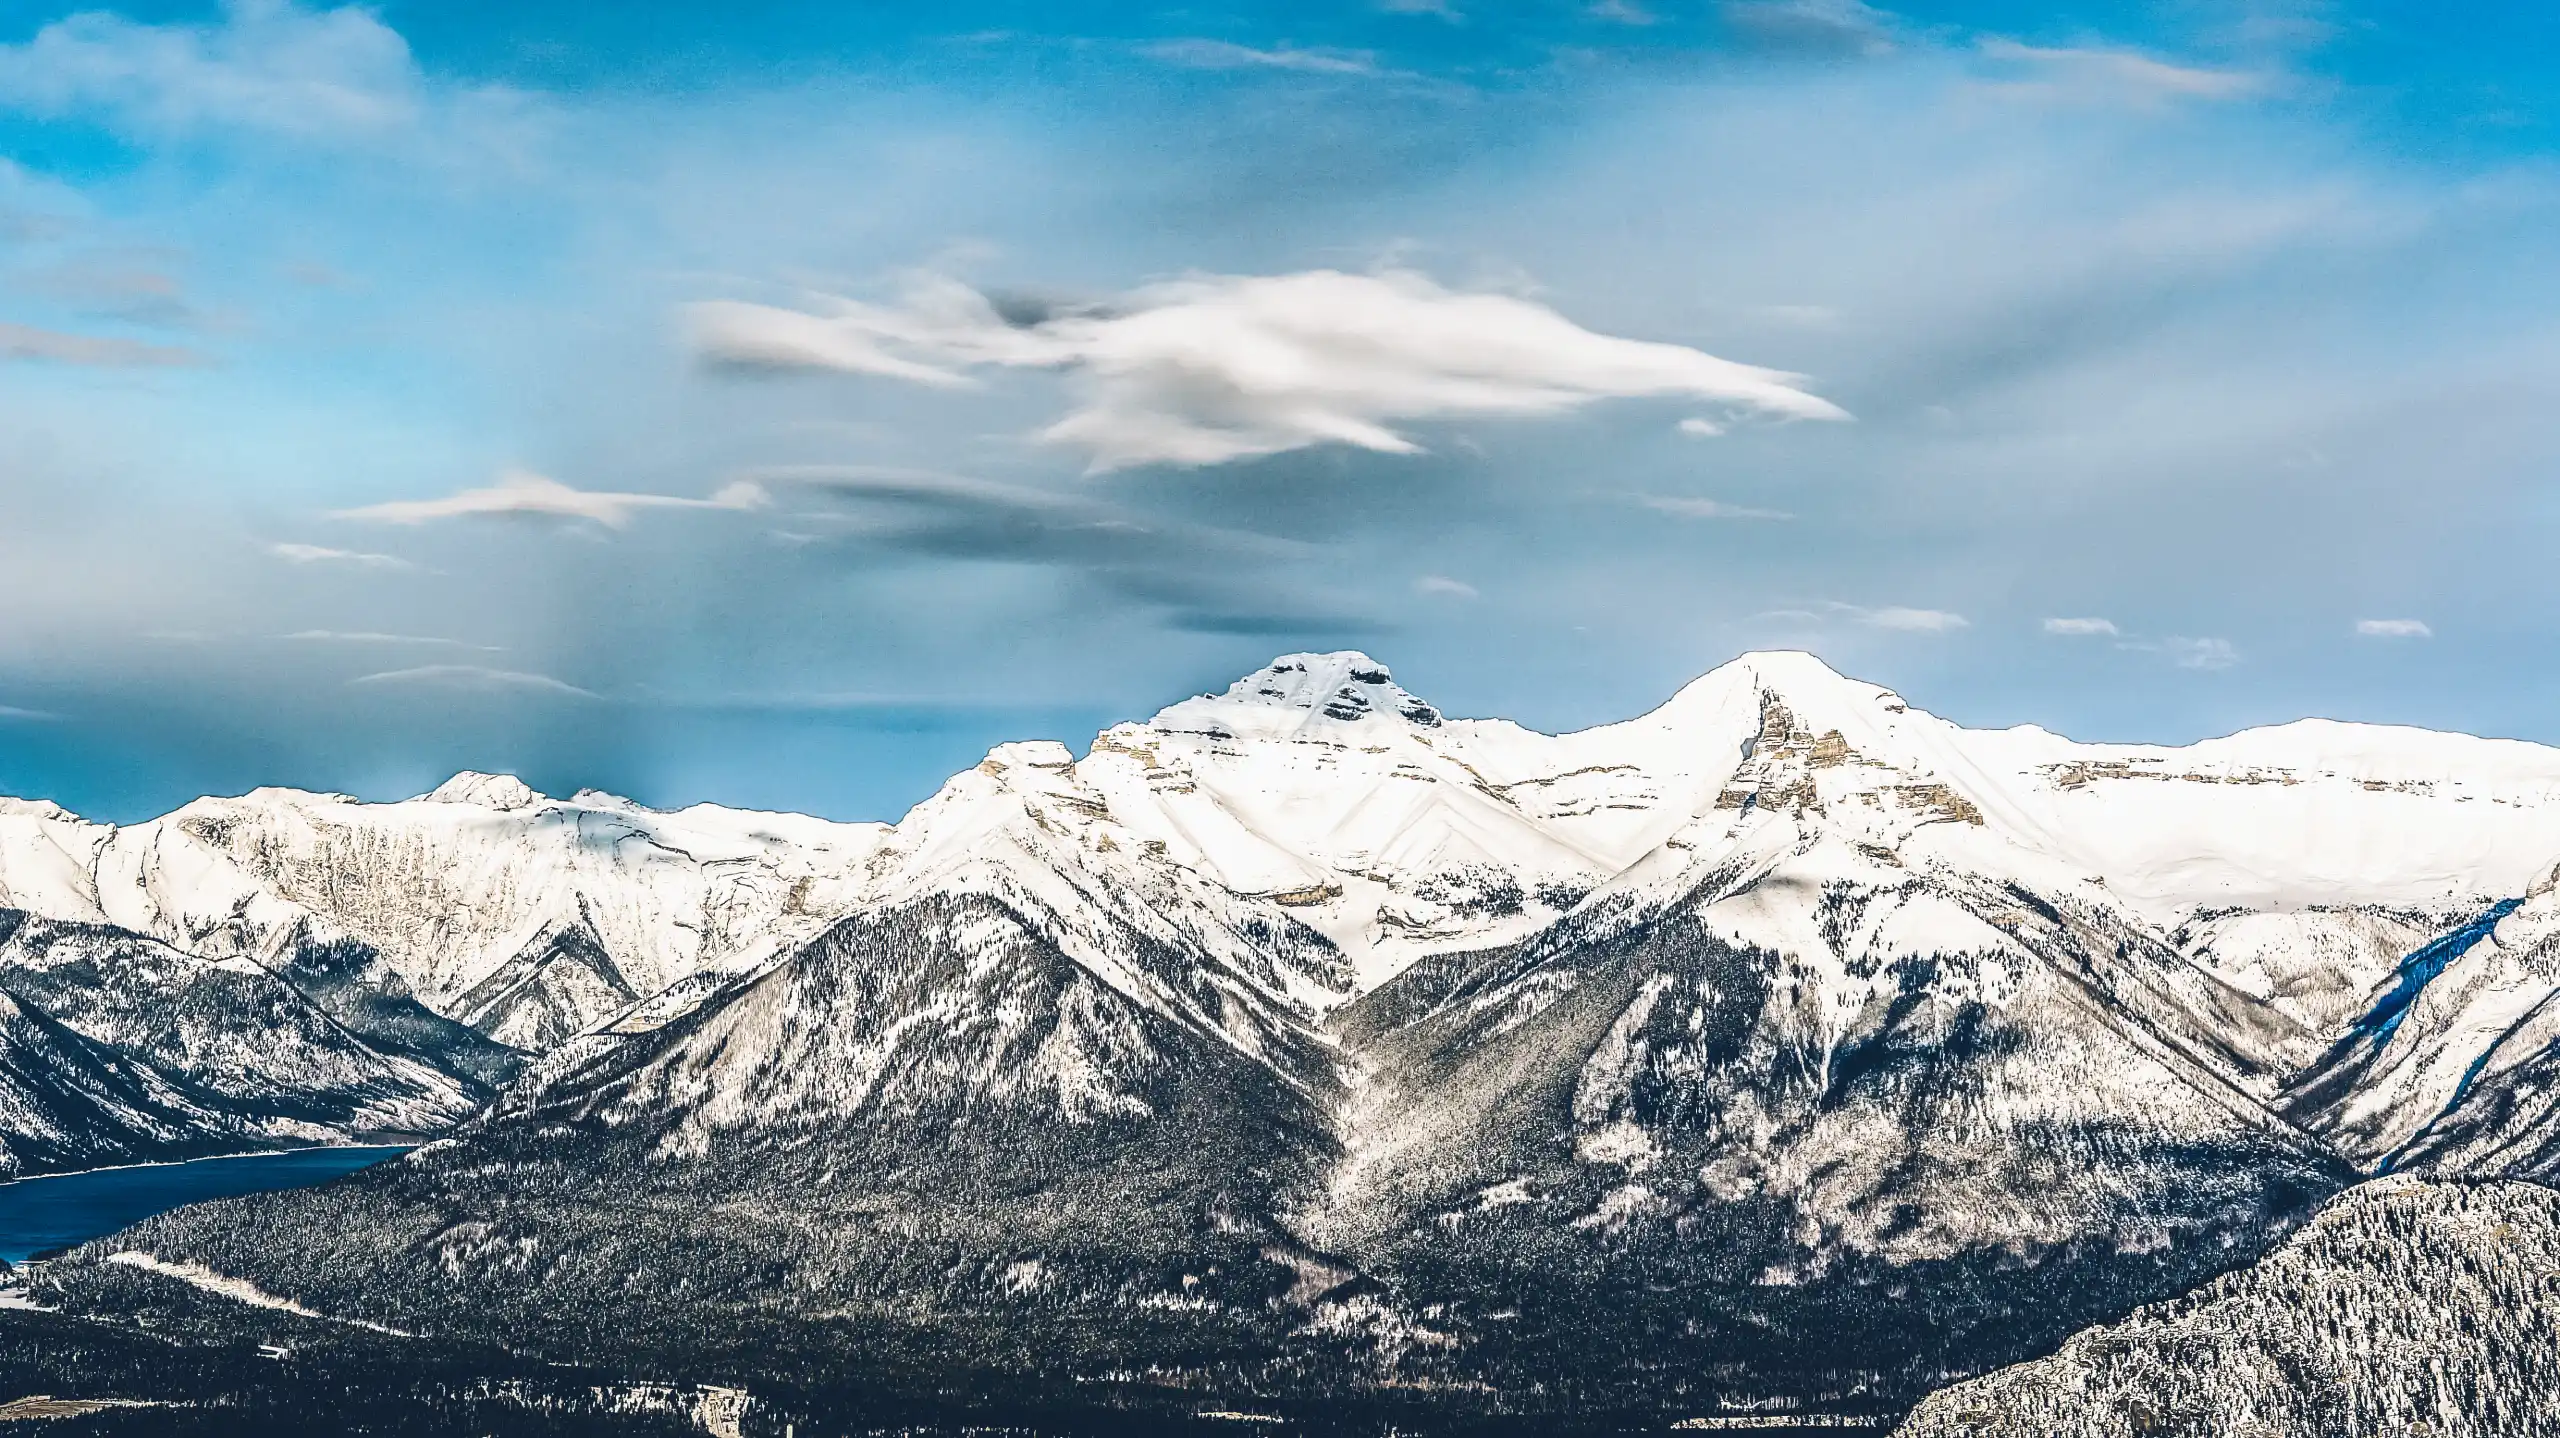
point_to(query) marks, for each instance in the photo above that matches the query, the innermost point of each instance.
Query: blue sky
(779, 403)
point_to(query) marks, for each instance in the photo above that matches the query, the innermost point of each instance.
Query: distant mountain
(2403, 1308)
(528, 918)
(115, 1048)
(1785, 1043)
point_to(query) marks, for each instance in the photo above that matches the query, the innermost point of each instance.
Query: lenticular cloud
(1216, 368)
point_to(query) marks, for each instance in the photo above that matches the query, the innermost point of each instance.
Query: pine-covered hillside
(2404, 1308)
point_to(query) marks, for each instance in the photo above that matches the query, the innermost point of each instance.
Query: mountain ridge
(1784, 1044)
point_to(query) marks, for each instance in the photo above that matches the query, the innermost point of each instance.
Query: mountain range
(1786, 1047)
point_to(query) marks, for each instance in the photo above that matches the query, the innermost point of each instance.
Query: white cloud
(266, 65)
(26, 342)
(27, 716)
(2123, 70)
(323, 554)
(2079, 627)
(522, 492)
(475, 677)
(1442, 585)
(1226, 55)
(2394, 629)
(1910, 621)
(1687, 508)
(1215, 368)
(1698, 428)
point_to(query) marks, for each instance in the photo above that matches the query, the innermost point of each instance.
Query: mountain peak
(1295, 691)
(489, 791)
(1800, 682)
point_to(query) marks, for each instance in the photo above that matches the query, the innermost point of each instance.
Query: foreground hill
(2403, 1308)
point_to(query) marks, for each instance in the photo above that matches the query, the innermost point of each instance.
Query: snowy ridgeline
(1786, 1045)
(121, 1050)
(2404, 1307)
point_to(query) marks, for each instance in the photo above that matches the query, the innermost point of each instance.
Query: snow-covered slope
(528, 917)
(2403, 1308)
(2453, 1069)
(120, 1049)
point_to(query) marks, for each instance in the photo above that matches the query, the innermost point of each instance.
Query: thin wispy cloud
(133, 289)
(323, 554)
(12, 713)
(1196, 576)
(1226, 55)
(2120, 70)
(1683, 507)
(1909, 620)
(475, 678)
(2192, 653)
(1813, 27)
(367, 636)
(2394, 629)
(524, 494)
(27, 342)
(1698, 428)
(2077, 628)
(1443, 587)
(959, 517)
(1899, 618)
(1211, 369)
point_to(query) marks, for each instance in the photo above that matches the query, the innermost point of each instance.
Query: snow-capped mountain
(526, 917)
(2403, 1308)
(1783, 1042)
(116, 1048)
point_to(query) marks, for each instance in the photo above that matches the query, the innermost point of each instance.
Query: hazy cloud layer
(1217, 368)
(26, 342)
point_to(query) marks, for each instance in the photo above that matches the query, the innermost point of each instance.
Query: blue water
(38, 1215)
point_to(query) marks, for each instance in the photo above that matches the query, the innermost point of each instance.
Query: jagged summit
(1298, 692)
(503, 792)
